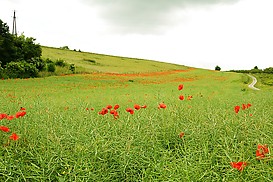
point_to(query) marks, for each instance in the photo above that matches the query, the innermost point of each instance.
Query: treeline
(20, 56)
(255, 70)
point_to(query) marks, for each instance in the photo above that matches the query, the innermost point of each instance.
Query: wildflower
(248, 105)
(238, 165)
(181, 97)
(181, 135)
(87, 109)
(112, 111)
(244, 106)
(130, 110)
(189, 97)
(144, 106)
(116, 115)
(180, 87)
(103, 111)
(261, 151)
(3, 115)
(162, 105)
(10, 117)
(20, 114)
(4, 128)
(109, 107)
(236, 109)
(116, 106)
(22, 109)
(14, 136)
(137, 107)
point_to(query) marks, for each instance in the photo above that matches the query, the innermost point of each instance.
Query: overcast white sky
(234, 34)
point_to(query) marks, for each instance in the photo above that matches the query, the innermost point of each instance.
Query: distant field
(91, 62)
(64, 138)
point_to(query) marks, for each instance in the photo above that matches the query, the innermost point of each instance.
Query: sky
(234, 34)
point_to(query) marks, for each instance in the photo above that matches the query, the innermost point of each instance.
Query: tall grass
(60, 140)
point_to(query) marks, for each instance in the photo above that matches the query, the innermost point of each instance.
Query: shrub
(51, 67)
(38, 62)
(60, 63)
(21, 69)
(72, 68)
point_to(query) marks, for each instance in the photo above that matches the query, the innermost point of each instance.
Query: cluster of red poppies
(244, 106)
(5, 129)
(261, 152)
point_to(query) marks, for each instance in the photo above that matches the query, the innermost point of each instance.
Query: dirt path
(253, 83)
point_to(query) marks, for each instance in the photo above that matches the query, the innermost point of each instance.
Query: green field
(62, 140)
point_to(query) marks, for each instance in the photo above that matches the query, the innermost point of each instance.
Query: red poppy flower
(238, 165)
(137, 107)
(14, 136)
(116, 106)
(112, 111)
(144, 106)
(261, 151)
(162, 105)
(22, 109)
(181, 134)
(3, 115)
(92, 109)
(244, 106)
(20, 114)
(4, 128)
(109, 107)
(103, 111)
(87, 109)
(180, 87)
(248, 105)
(189, 97)
(116, 115)
(236, 109)
(10, 117)
(181, 97)
(130, 110)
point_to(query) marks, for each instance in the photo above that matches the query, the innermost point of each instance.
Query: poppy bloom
(261, 151)
(103, 111)
(181, 135)
(248, 105)
(244, 106)
(130, 110)
(116, 106)
(137, 107)
(10, 117)
(189, 97)
(112, 111)
(180, 87)
(236, 109)
(181, 97)
(20, 114)
(116, 115)
(162, 105)
(238, 165)
(22, 109)
(109, 107)
(144, 106)
(14, 136)
(4, 128)
(3, 115)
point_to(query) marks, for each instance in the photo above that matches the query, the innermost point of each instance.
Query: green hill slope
(91, 62)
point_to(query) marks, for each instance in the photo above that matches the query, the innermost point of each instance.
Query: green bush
(51, 67)
(72, 68)
(60, 63)
(21, 69)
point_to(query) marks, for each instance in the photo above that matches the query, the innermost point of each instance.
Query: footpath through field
(253, 83)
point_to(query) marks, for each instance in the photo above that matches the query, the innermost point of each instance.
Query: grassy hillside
(65, 137)
(91, 62)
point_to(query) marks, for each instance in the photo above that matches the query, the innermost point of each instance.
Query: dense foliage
(19, 55)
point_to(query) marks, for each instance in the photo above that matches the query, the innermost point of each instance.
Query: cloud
(145, 17)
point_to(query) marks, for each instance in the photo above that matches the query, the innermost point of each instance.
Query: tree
(217, 68)
(256, 67)
(7, 51)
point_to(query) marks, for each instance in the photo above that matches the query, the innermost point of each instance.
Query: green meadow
(63, 138)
